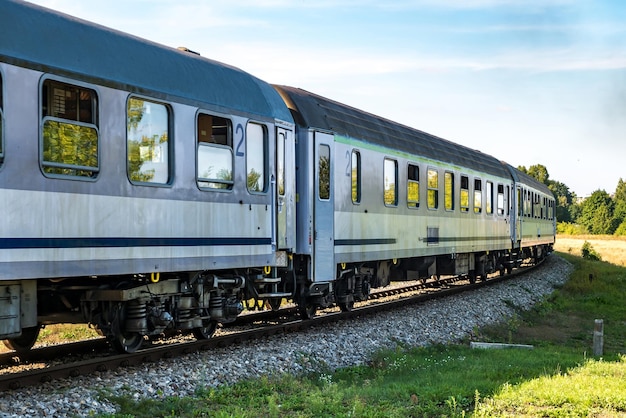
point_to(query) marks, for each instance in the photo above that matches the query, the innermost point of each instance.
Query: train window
(500, 199)
(508, 197)
(1, 121)
(448, 190)
(215, 152)
(478, 196)
(147, 142)
(355, 175)
(433, 189)
(70, 137)
(256, 150)
(489, 195)
(280, 163)
(413, 186)
(464, 197)
(323, 170)
(391, 182)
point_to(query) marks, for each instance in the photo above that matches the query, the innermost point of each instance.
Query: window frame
(500, 201)
(49, 82)
(393, 161)
(265, 163)
(413, 170)
(448, 195)
(464, 208)
(170, 142)
(323, 181)
(432, 189)
(355, 177)
(489, 197)
(478, 193)
(281, 162)
(214, 184)
(1, 118)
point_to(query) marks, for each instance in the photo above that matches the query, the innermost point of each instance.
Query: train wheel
(127, 342)
(308, 310)
(24, 342)
(472, 277)
(346, 306)
(204, 333)
(274, 303)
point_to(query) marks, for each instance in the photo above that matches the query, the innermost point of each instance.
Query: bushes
(589, 253)
(567, 228)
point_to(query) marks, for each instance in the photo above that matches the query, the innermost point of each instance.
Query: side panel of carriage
(404, 208)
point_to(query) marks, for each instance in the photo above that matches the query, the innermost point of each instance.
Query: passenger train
(145, 188)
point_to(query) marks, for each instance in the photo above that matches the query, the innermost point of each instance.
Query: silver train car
(138, 183)
(146, 189)
(379, 201)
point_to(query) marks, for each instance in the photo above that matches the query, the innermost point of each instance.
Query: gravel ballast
(337, 345)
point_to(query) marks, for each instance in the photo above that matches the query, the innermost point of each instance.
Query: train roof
(313, 111)
(45, 40)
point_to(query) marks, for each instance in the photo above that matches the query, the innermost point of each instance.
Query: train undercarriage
(127, 310)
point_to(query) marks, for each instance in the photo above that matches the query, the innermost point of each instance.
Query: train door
(285, 189)
(521, 202)
(323, 209)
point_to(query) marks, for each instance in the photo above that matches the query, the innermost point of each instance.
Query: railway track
(88, 357)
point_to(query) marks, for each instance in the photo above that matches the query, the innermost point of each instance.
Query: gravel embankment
(338, 345)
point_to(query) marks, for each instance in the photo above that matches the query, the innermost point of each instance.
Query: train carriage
(381, 201)
(126, 164)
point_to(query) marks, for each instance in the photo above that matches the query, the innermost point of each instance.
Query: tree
(540, 172)
(597, 213)
(620, 202)
(564, 200)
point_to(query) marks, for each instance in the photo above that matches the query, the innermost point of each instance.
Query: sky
(527, 81)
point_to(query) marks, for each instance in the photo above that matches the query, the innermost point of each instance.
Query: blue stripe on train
(22, 243)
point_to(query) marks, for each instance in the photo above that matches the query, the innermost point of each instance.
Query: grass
(559, 377)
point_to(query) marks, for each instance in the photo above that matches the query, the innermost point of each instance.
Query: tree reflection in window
(255, 157)
(413, 186)
(464, 198)
(324, 172)
(356, 176)
(478, 196)
(69, 136)
(433, 189)
(448, 190)
(215, 167)
(147, 141)
(390, 174)
(280, 163)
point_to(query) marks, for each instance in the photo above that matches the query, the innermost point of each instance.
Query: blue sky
(527, 81)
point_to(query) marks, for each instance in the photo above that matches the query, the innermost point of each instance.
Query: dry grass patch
(612, 249)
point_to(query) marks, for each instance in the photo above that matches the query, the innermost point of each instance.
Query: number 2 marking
(239, 153)
(348, 168)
